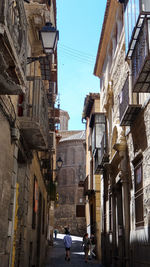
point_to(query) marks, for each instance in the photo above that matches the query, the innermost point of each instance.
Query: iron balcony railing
(88, 188)
(51, 190)
(141, 60)
(127, 109)
(124, 98)
(135, 12)
(34, 120)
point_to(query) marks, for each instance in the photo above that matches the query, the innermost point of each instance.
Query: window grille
(138, 196)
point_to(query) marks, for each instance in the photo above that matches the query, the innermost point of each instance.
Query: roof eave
(110, 6)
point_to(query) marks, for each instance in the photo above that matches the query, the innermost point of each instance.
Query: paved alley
(56, 254)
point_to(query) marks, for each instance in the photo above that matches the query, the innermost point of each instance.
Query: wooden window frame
(80, 211)
(138, 194)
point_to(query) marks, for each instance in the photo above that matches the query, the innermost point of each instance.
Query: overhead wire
(78, 55)
(77, 58)
(77, 51)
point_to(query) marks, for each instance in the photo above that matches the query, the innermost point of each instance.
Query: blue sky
(79, 23)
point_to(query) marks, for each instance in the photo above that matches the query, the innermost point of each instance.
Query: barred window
(80, 211)
(138, 176)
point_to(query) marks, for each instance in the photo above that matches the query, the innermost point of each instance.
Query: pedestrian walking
(55, 233)
(67, 228)
(86, 245)
(92, 246)
(67, 244)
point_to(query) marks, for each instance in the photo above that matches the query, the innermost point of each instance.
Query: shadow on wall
(138, 131)
(139, 251)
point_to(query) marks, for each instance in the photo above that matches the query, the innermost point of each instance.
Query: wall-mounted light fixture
(59, 163)
(49, 37)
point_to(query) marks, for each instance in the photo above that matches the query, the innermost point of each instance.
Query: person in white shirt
(67, 244)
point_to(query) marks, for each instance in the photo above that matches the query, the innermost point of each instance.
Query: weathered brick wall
(31, 235)
(6, 194)
(70, 195)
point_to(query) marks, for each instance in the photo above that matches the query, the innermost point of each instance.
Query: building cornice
(88, 104)
(108, 23)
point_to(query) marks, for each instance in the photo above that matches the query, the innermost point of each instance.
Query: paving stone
(56, 255)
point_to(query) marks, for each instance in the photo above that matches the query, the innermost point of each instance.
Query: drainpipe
(15, 138)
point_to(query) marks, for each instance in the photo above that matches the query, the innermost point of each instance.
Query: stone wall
(70, 194)
(6, 194)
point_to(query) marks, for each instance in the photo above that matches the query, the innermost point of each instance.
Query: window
(97, 124)
(80, 211)
(138, 176)
(132, 11)
(91, 175)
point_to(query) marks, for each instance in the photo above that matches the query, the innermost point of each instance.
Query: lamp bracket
(32, 59)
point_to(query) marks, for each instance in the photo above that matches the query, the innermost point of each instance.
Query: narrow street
(56, 254)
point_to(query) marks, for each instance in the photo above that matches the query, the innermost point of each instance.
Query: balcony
(87, 191)
(34, 120)
(98, 127)
(54, 113)
(51, 94)
(135, 13)
(127, 109)
(13, 43)
(54, 118)
(51, 190)
(45, 65)
(101, 156)
(141, 60)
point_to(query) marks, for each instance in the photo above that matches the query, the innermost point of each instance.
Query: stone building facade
(94, 121)
(25, 133)
(64, 118)
(124, 71)
(71, 200)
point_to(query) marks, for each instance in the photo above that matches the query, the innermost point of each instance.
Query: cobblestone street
(56, 254)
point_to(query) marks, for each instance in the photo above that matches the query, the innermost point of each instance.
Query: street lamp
(59, 163)
(49, 36)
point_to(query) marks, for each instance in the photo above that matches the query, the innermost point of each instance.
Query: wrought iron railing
(51, 190)
(140, 53)
(124, 98)
(36, 106)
